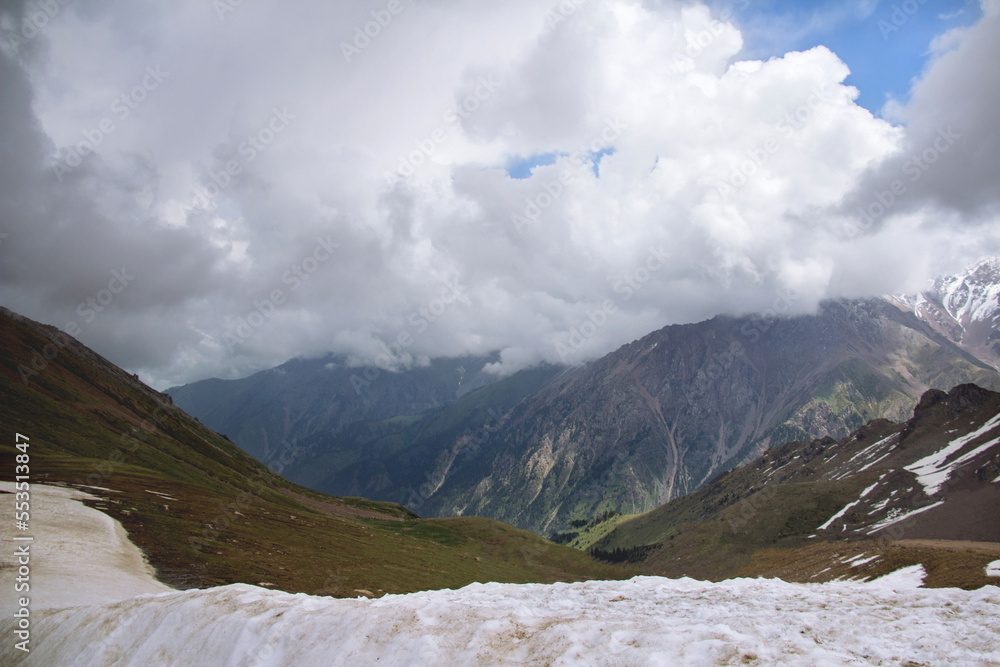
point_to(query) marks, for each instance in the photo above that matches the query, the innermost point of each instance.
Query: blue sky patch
(521, 167)
(885, 44)
(595, 159)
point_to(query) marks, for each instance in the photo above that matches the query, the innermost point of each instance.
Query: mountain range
(553, 446)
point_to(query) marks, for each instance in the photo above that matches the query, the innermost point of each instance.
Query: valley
(551, 445)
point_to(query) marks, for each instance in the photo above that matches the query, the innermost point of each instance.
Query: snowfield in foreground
(643, 621)
(94, 601)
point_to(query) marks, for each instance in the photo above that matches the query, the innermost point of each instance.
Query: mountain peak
(958, 400)
(973, 294)
(964, 307)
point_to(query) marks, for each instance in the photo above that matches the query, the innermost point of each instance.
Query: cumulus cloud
(308, 177)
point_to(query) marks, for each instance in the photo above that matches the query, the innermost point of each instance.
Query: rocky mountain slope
(408, 457)
(659, 417)
(927, 490)
(206, 513)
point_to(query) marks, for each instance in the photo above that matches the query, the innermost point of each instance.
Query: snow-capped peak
(972, 295)
(965, 307)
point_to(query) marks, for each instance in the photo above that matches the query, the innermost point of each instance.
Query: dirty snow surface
(643, 621)
(86, 617)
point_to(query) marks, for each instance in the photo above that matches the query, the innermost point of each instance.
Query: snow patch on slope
(903, 579)
(933, 471)
(849, 506)
(861, 559)
(896, 515)
(79, 555)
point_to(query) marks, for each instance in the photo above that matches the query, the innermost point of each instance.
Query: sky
(199, 189)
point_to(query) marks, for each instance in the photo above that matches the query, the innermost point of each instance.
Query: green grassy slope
(206, 513)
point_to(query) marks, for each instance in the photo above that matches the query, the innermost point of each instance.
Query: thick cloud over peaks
(952, 151)
(296, 178)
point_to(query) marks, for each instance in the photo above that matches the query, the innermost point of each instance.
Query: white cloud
(729, 182)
